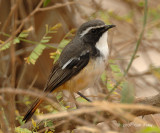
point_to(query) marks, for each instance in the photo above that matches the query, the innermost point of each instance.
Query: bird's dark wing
(59, 75)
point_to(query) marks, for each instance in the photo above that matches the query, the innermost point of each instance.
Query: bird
(81, 62)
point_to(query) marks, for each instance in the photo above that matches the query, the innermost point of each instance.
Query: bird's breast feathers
(86, 77)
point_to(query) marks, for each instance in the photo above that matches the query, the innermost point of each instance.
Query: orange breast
(85, 77)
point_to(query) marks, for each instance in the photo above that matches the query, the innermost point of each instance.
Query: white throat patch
(102, 45)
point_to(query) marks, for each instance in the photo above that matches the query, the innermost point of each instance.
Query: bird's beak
(107, 27)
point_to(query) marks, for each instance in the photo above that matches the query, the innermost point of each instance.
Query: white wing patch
(67, 63)
(84, 52)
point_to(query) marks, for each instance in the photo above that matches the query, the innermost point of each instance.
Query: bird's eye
(93, 30)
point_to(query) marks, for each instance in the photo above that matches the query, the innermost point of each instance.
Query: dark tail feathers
(33, 108)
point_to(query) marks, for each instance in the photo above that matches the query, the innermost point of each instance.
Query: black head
(92, 30)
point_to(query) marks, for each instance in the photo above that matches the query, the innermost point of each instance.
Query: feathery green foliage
(32, 58)
(16, 40)
(7, 45)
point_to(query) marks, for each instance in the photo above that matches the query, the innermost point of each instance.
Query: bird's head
(92, 31)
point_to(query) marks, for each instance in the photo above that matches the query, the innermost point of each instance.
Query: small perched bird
(81, 62)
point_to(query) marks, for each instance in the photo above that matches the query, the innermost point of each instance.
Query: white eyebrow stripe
(85, 32)
(88, 29)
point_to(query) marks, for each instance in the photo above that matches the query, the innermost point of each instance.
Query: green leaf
(35, 54)
(150, 129)
(55, 27)
(7, 45)
(20, 118)
(63, 43)
(45, 39)
(45, 3)
(127, 94)
(22, 130)
(49, 123)
(24, 34)
(4, 47)
(40, 47)
(16, 40)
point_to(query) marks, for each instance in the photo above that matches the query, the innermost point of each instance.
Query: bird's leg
(84, 96)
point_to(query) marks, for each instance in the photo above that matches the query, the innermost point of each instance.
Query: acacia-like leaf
(7, 45)
(35, 54)
(42, 45)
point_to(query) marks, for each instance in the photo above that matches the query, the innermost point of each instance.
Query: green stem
(28, 41)
(136, 48)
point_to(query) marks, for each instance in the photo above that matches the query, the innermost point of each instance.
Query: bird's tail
(33, 108)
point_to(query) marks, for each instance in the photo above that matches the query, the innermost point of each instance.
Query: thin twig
(30, 93)
(58, 5)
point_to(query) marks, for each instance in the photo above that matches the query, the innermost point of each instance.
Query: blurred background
(25, 63)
